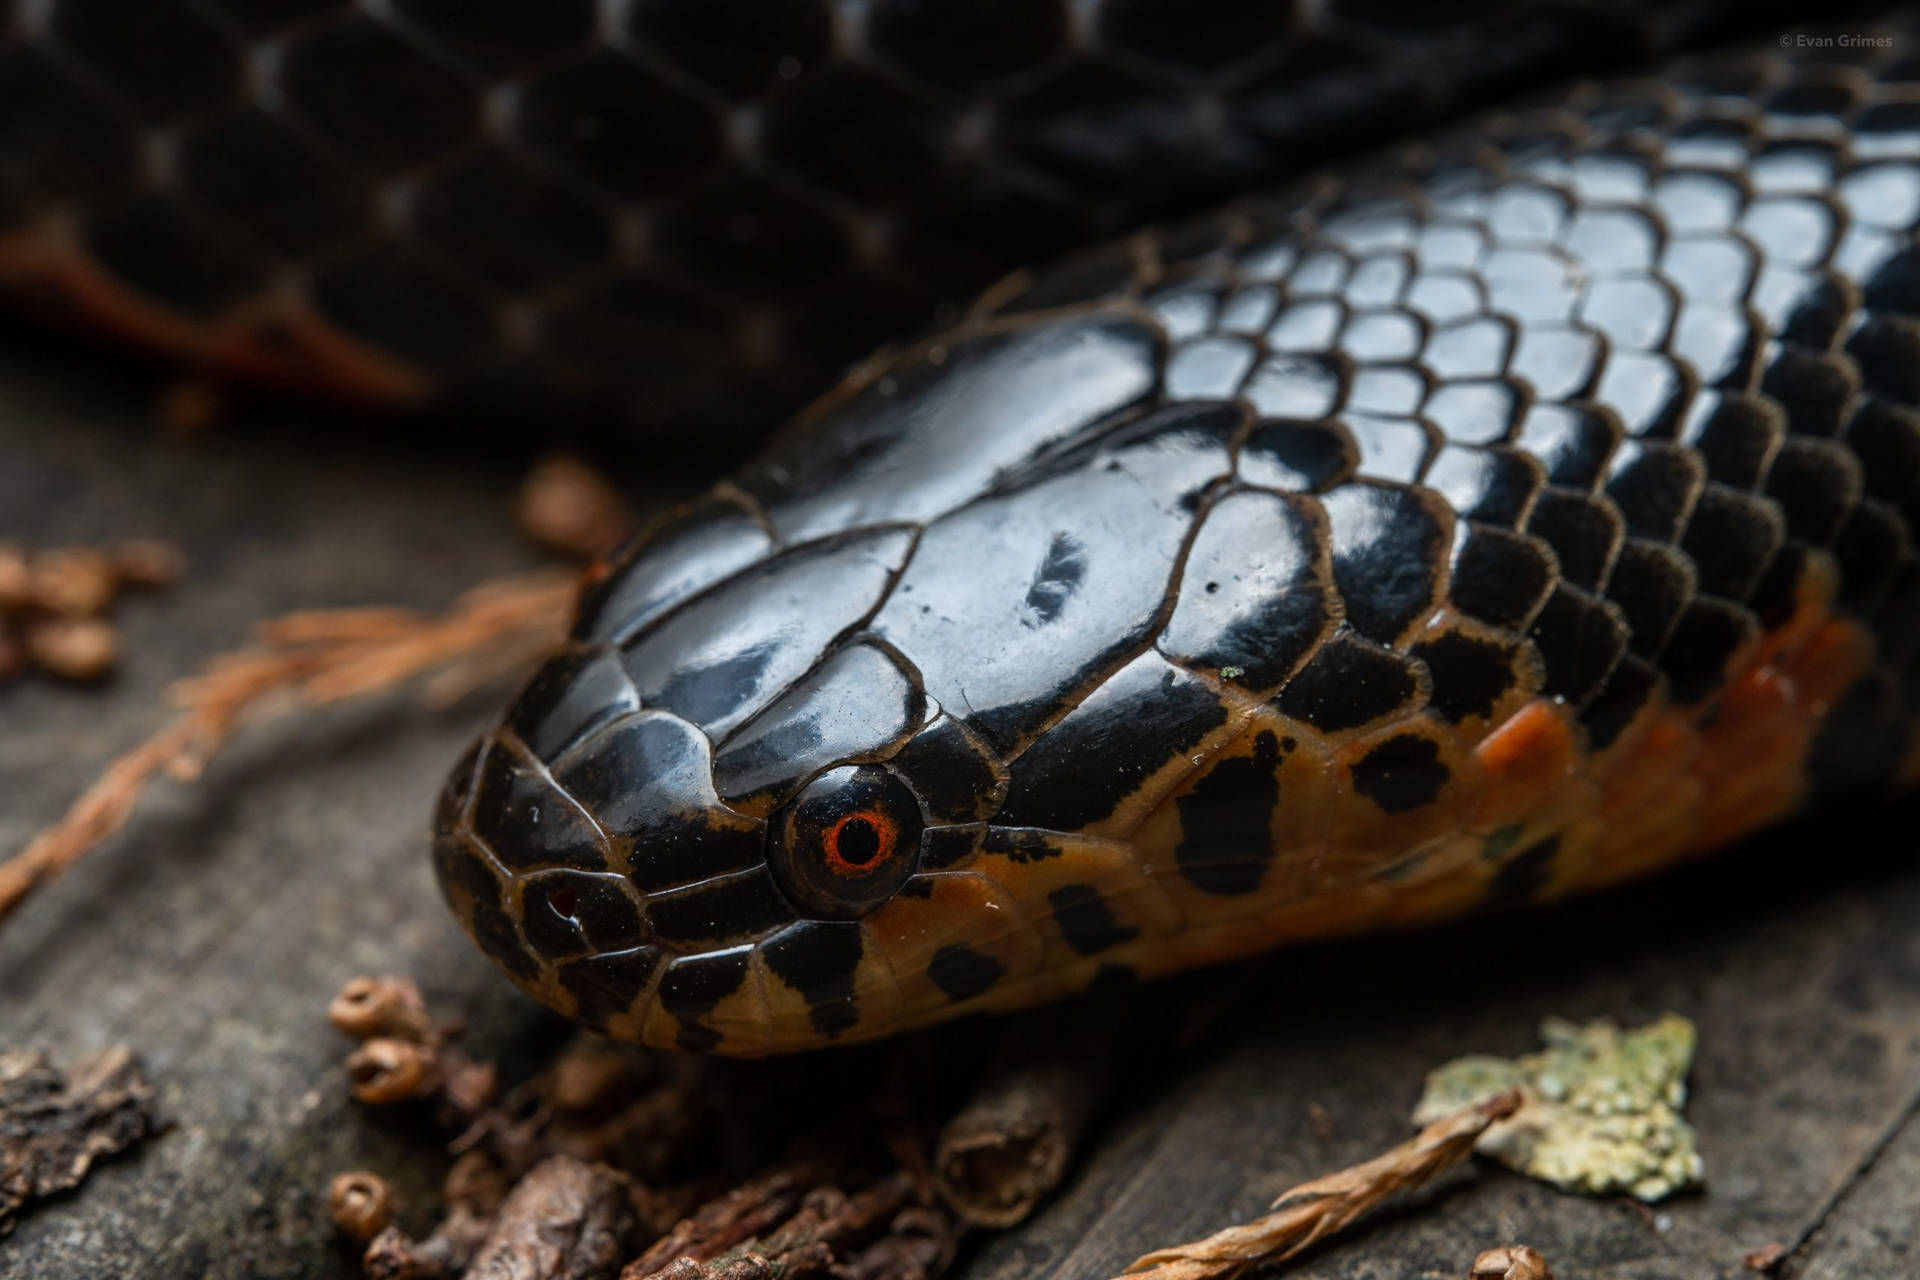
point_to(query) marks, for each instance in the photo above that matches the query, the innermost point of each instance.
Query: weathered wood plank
(211, 933)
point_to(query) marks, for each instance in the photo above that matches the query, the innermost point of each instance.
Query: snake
(1490, 516)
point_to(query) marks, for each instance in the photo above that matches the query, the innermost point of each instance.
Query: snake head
(716, 832)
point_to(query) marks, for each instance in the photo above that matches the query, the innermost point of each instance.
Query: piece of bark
(741, 1214)
(53, 1127)
(1010, 1145)
(566, 1220)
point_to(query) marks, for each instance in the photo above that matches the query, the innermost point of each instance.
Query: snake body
(1482, 522)
(679, 219)
(1493, 520)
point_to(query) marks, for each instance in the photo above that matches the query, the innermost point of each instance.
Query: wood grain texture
(210, 934)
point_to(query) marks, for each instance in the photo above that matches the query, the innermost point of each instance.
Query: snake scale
(1487, 519)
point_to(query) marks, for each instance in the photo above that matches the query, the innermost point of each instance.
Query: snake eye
(843, 845)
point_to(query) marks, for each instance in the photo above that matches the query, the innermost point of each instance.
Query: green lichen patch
(1602, 1107)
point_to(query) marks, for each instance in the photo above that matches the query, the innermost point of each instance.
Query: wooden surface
(210, 934)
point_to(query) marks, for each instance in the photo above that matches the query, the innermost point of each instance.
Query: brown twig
(312, 658)
(1313, 1211)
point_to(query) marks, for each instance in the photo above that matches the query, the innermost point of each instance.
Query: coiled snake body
(1503, 517)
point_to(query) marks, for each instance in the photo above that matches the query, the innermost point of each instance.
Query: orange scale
(1652, 827)
(1447, 880)
(1836, 653)
(1664, 749)
(1000, 946)
(1399, 787)
(1352, 909)
(1814, 597)
(1523, 762)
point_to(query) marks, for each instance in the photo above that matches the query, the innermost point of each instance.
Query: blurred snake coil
(1480, 514)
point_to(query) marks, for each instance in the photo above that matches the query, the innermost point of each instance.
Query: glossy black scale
(1014, 576)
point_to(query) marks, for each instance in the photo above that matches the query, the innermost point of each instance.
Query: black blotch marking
(819, 961)
(605, 986)
(1348, 683)
(1524, 875)
(1021, 846)
(1401, 774)
(1054, 582)
(1112, 979)
(962, 972)
(1470, 674)
(1086, 921)
(1226, 844)
(693, 986)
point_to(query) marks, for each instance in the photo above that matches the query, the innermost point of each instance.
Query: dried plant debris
(54, 1125)
(613, 1161)
(306, 659)
(1601, 1109)
(1315, 1211)
(53, 604)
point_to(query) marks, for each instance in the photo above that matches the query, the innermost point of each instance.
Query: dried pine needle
(1314, 1211)
(311, 658)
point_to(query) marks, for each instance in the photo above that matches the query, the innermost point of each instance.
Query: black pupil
(859, 843)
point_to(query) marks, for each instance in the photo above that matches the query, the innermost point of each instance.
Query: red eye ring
(885, 836)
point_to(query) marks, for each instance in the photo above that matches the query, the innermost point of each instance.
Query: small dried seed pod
(16, 580)
(1514, 1262)
(369, 1007)
(385, 1070)
(147, 562)
(75, 582)
(73, 648)
(362, 1205)
(568, 506)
